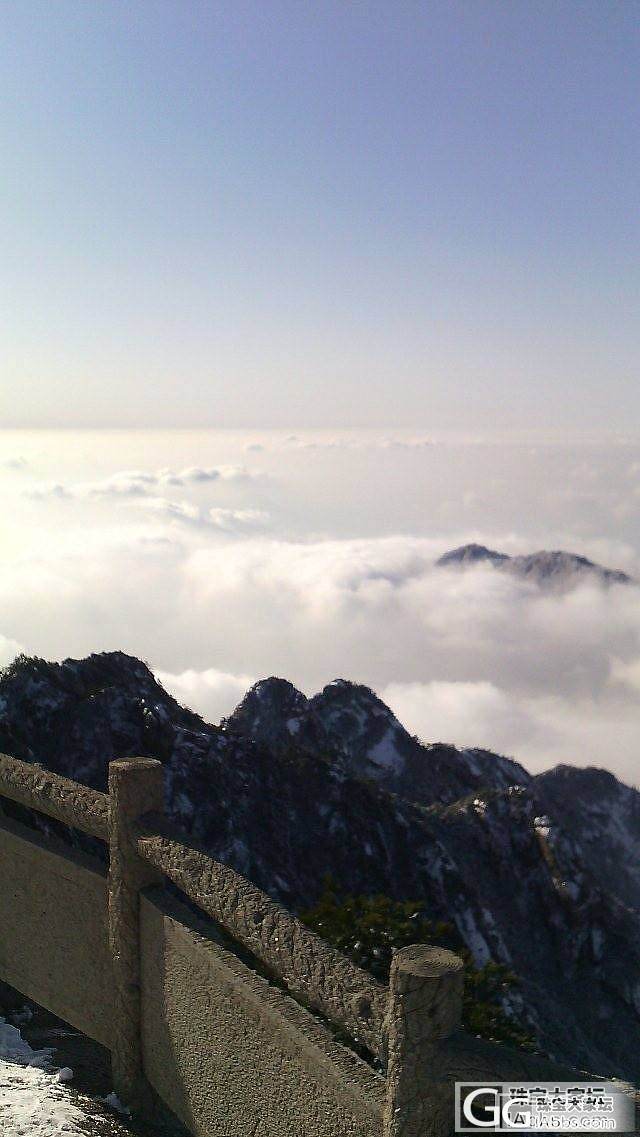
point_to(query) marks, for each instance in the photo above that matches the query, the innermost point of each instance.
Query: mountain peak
(560, 565)
(471, 555)
(360, 728)
(548, 568)
(96, 671)
(343, 692)
(270, 712)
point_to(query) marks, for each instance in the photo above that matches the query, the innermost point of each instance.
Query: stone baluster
(135, 788)
(425, 1006)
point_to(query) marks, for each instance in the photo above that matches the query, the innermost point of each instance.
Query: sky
(296, 215)
(296, 297)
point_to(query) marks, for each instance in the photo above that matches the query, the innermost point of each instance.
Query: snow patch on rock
(385, 752)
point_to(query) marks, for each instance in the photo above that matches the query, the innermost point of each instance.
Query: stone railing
(307, 965)
(75, 805)
(225, 1049)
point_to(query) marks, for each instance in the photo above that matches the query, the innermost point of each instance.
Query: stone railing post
(425, 1005)
(135, 788)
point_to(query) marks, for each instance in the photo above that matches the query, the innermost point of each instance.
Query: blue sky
(337, 214)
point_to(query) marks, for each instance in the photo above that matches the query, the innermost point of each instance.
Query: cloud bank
(322, 566)
(211, 693)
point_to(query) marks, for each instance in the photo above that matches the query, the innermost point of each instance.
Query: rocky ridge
(537, 872)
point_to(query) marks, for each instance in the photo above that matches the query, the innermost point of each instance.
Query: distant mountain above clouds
(539, 873)
(554, 569)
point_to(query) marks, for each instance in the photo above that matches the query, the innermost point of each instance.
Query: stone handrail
(406, 1024)
(66, 801)
(307, 965)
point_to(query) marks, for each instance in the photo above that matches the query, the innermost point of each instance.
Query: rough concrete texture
(67, 801)
(233, 1056)
(135, 784)
(305, 963)
(53, 929)
(425, 1005)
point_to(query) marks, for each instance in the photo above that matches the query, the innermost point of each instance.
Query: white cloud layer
(212, 693)
(138, 483)
(540, 730)
(226, 520)
(323, 565)
(9, 649)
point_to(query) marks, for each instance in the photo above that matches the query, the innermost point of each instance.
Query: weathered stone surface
(425, 1006)
(308, 966)
(135, 785)
(67, 801)
(428, 1053)
(229, 1053)
(53, 929)
(233, 1056)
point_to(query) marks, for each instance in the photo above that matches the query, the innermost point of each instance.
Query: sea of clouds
(222, 557)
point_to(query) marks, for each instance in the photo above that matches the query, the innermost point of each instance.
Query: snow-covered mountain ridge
(537, 872)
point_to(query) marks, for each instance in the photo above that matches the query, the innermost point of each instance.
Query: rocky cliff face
(351, 728)
(540, 873)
